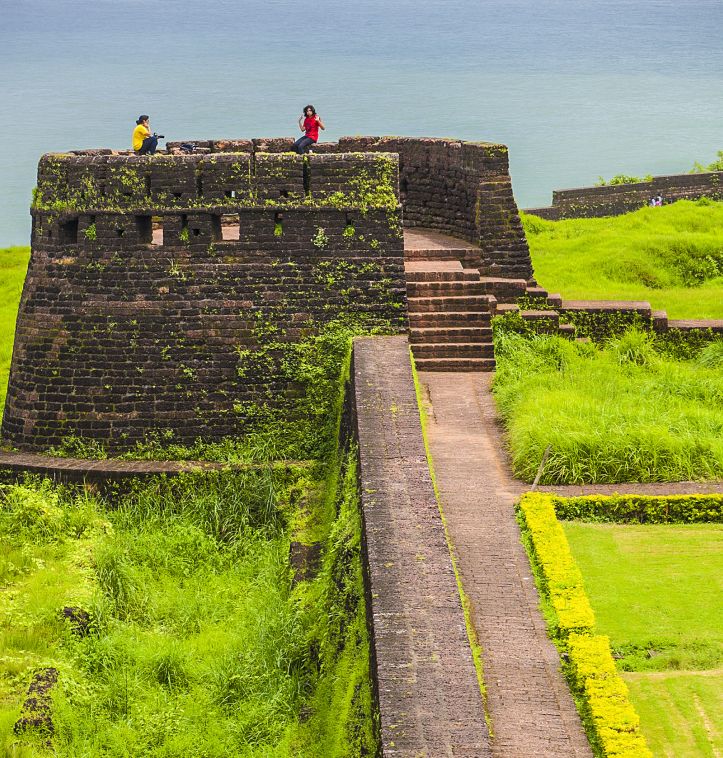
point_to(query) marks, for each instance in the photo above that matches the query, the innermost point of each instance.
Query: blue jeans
(149, 146)
(303, 144)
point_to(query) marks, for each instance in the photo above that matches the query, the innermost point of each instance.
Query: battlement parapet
(68, 183)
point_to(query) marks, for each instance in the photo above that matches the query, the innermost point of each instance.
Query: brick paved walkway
(528, 700)
(429, 699)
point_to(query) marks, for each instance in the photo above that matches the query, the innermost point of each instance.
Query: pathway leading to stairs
(530, 705)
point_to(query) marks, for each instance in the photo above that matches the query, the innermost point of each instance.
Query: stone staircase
(449, 312)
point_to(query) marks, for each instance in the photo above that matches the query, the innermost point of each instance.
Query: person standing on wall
(144, 143)
(309, 123)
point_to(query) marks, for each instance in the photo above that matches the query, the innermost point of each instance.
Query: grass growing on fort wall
(655, 590)
(670, 256)
(616, 413)
(13, 265)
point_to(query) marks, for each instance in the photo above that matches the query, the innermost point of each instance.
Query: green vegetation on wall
(670, 256)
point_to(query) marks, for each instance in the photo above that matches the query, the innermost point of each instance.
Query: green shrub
(561, 578)
(641, 509)
(611, 719)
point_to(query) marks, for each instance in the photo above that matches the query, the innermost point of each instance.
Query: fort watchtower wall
(156, 284)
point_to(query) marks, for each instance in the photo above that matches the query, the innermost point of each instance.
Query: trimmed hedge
(610, 719)
(614, 723)
(562, 581)
(641, 509)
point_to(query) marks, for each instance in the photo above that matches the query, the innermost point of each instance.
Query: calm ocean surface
(576, 88)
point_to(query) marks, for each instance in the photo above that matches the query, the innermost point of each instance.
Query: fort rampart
(157, 284)
(616, 199)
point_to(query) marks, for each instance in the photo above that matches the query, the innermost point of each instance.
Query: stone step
(451, 334)
(534, 315)
(538, 293)
(503, 308)
(443, 288)
(445, 304)
(504, 289)
(454, 350)
(439, 254)
(555, 300)
(455, 364)
(449, 319)
(440, 276)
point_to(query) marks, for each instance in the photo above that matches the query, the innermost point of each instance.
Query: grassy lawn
(670, 256)
(681, 712)
(656, 590)
(13, 265)
(616, 413)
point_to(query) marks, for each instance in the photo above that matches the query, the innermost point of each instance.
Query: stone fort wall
(156, 283)
(616, 199)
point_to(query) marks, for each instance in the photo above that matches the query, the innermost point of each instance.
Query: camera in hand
(160, 136)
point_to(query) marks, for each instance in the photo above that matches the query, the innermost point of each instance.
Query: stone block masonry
(616, 199)
(144, 310)
(163, 290)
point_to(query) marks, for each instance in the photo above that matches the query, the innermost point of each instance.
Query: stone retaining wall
(616, 199)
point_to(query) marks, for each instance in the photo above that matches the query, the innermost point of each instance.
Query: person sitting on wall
(309, 123)
(144, 143)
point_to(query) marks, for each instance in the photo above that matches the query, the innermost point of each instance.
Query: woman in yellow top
(144, 143)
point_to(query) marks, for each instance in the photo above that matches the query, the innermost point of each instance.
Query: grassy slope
(656, 592)
(201, 644)
(606, 418)
(13, 264)
(670, 256)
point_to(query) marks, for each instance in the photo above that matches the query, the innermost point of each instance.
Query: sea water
(576, 88)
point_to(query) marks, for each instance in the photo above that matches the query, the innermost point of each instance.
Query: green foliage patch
(618, 412)
(13, 265)
(199, 643)
(671, 257)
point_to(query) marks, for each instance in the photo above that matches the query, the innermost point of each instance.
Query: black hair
(313, 110)
(141, 119)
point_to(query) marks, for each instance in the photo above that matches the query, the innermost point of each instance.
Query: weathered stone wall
(616, 199)
(140, 311)
(458, 188)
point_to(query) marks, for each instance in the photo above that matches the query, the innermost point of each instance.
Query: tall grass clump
(616, 413)
(671, 256)
(13, 265)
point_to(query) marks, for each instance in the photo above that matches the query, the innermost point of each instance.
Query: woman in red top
(309, 123)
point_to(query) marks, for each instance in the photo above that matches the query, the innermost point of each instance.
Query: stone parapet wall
(426, 685)
(458, 188)
(616, 199)
(68, 183)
